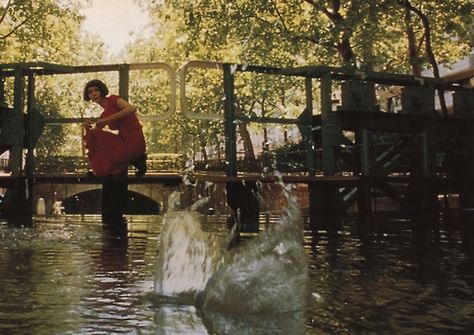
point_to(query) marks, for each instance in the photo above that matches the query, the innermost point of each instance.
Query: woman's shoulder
(113, 98)
(112, 101)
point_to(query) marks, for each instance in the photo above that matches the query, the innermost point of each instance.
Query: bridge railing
(330, 127)
(24, 75)
(123, 71)
(230, 117)
(326, 76)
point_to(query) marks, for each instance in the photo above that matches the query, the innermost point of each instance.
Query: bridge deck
(172, 179)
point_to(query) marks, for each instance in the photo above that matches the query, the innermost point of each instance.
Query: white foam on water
(268, 274)
(187, 255)
(264, 275)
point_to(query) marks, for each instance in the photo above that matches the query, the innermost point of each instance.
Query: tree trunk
(428, 49)
(413, 50)
(204, 153)
(249, 153)
(343, 46)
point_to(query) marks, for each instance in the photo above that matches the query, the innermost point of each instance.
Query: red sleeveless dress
(109, 153)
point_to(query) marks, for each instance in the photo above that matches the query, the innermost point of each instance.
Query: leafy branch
(15, 28)
(428, 48)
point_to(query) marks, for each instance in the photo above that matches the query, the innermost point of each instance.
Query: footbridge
(367, 144)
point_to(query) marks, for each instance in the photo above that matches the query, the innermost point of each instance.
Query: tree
(49, 31)
(360, 34)
(184, 32)
(414, 47)
(14, 25)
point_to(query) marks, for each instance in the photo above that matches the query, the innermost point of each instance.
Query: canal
(66, 275)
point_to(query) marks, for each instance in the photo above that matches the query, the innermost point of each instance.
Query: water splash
(267, 274)
(188, 256)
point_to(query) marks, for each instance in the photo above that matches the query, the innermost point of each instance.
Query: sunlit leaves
(291, 33)
(50, 32)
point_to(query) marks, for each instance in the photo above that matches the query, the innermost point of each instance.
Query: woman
(110, 153)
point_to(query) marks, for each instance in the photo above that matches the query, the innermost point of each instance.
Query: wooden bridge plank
(173, 179)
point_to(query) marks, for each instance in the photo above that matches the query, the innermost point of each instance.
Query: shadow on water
(379, 276)
(114, 243)
(282, 323)
(95, 275)
(17, 220)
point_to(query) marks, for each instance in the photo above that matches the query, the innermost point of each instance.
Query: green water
(65, 275)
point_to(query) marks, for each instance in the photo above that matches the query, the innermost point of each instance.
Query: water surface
(65, 275)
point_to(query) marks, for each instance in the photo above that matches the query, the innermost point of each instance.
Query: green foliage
(208, 31)
(53, 137)
(363, 34)
(296, 32)
(358, 33)
(49, 31)
(61, 164)
(288, 157)
(40, 30)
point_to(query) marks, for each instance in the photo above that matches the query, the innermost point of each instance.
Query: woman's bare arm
(125, 110)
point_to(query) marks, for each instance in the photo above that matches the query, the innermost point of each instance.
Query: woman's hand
(88, 124)
(100, 123)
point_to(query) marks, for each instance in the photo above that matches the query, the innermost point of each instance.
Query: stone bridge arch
(156, 193)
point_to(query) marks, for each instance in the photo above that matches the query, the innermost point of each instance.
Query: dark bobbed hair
(104, 91)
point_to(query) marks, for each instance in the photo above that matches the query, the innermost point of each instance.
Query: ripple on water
(64, 277)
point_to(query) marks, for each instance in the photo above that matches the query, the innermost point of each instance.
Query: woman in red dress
(110, 153)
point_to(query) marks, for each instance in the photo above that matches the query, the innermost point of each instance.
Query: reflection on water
(65, 276)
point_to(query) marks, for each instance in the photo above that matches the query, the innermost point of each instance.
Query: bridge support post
(114, 200)
(423, 206)
(364, 205)
(466, 199)
(243, 200)
(17, 204)
(423, 190)
(325, 205)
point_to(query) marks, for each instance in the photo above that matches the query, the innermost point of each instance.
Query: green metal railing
(304, 122)
(26, 72)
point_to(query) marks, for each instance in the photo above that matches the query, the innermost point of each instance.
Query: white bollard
(40, 207)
